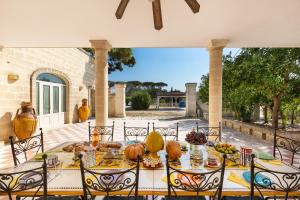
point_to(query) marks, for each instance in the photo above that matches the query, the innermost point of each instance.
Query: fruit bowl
(196, 138)
(225, 148)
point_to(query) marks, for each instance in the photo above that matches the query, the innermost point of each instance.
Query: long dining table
(65, 179)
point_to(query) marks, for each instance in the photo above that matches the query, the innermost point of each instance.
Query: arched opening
(50, 100)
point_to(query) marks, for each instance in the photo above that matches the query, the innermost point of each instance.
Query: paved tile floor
(79, 132)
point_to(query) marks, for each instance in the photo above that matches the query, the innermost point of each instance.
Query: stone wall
(111, 103)
(116, 101)
(261, 132)
(70, 64)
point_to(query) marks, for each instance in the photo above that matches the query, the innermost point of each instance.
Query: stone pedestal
(101, 86)
(120, 100)
(191, 98)
(215, 48)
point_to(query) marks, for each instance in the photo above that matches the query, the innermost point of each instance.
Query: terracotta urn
(84, 111)
(25, 123)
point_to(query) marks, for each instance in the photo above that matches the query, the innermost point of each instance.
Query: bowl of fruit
(226, 148)
(195, 138)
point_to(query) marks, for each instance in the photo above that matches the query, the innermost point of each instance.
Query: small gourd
(132, 151)
(174, 150)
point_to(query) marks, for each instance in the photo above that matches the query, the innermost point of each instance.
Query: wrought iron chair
(34, 143)
(214, 132)
(284, 183)
(135, 132)
(108, 183)
(167, 132)
(288, 144)
(33, 179)
(195, 182)
(102, 131)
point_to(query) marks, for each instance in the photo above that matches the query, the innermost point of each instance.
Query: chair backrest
(293, 146)
(282, 182)
(34, 144)
(195, 182)
(135, 133)
(107, 131)
(109, 182)
(213, 132)
(34, 180)
(167, 132)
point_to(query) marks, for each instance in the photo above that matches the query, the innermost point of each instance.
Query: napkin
(237, 179)
(273, 162)
(172, 179)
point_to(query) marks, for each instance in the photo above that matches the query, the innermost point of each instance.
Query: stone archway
(64, 77)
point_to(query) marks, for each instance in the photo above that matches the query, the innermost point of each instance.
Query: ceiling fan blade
(157, 16)
(194, 5)
(121, 8)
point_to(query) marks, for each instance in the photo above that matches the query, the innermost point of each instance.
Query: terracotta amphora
(84, 111)
(25, 123)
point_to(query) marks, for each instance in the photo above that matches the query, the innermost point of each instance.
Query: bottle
(90, 157)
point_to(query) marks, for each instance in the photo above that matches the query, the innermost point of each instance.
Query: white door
(51, 106)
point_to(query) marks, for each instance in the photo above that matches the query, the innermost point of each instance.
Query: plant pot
(25, 123)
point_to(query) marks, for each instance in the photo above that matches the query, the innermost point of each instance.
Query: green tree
(140, 100)
(276, 72)
(117, 58)
(259, 77)
(203, 88)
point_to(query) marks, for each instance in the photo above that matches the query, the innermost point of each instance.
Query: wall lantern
(13, 77)
(80, 87)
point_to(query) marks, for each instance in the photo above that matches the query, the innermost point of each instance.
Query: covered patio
(92, 23)
(218, 25)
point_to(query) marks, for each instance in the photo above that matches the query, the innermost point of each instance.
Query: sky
(174, 66)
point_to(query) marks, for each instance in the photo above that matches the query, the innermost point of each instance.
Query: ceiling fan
(156, 8)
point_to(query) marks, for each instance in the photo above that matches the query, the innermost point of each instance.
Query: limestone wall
(71, 64)
(111, 103)
(116, 101)
(261, 132)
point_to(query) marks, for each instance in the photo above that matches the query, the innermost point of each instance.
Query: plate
(265, 156)
(226, 148)
(259, 179)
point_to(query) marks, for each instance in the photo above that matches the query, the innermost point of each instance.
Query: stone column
(157, 102)
(120, 100)
(215, 48)
(176, 103)
(101, 86)
(191, 98)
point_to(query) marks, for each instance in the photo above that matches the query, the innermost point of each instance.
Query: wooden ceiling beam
(121, 9)
(194, 5)
(157, 16)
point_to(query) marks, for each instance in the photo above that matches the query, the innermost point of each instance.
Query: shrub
(128, 99)
(140, 100)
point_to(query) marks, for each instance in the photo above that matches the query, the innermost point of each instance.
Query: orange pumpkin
(132, 151)
(174, 150)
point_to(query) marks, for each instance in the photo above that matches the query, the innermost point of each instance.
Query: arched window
(50, 78)
(50, 95)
